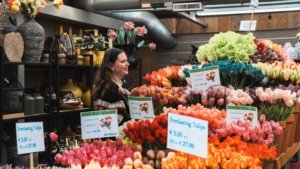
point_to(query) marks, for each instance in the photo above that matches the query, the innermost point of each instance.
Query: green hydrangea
(228, 45)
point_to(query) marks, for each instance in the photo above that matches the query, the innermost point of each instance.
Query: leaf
(140, 44)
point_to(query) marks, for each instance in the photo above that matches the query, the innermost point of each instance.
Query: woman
(108, 90)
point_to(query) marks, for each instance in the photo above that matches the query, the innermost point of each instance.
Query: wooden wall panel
(274, 21)
(184, 26)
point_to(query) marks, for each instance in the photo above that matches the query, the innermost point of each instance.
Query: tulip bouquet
(212, 115)
(217, 158)
(126, 35)
(281, 72)
(266, 53)
(262, 133)
(238, 74)
(163, 77)
(219, 97)
(150, 134)
(276, 104)
(261, 151)
(106, 154)
(153, 134)
(164, 96)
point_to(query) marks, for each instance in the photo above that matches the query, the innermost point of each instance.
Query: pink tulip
(152, 46)
(53, 137)
(262, 118)
(278, 131)
(112, 34)
(128, 26)
(141, 31)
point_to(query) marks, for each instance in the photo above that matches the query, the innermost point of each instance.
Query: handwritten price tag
(141, 107)
(205, 77)
(99, 124)
(187, 134)
(30, 137)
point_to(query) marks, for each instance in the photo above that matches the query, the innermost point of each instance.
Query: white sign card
(245, 25)
(235, 113)
(254, 3)
(187, 134)
(141, 107)
(99, 124)
(30, 137)
(204, 78)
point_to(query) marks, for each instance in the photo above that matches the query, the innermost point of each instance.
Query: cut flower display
(126, 35)
(238, 74)
(31, 8)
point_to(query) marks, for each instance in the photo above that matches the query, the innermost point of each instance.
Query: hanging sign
(99, 124)
(187, 134)
(247, 25)
(204, 78)
(30, 137)
(254, 3)
(235, 113)
(141, 107)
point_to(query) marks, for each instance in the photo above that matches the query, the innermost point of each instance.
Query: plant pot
(33, 35)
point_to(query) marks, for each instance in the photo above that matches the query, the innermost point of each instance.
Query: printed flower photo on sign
(144, 107)
(106, 122)
(211, 76)
(249, 116)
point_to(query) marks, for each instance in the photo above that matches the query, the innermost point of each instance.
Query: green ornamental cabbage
(229, 45)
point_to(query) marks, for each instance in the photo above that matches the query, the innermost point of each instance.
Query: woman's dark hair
(104, 74)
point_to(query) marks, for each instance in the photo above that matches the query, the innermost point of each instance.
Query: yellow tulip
(14, 9)
(58, 3)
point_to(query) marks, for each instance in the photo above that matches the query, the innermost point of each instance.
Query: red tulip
(53, 137)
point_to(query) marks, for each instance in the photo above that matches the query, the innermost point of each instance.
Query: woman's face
(121, 65)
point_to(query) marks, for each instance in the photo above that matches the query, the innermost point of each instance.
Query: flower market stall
(252, 73)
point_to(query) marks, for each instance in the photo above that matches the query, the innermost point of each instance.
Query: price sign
(235, 113)
(247, 25)
(99, 124)
(254, 3)
(205, 77)
(30, 137)
(141, 107)
(187, 134)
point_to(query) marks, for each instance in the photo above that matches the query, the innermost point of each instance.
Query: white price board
(99, 124)
(187, 134)
(235, 113)
(254, 3)
(245, 25)
(141, 107)
(205, 77)
(30, 137)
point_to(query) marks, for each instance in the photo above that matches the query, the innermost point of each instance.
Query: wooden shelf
(26, 64)
(15, 116)
(73, 66)
(74, 110)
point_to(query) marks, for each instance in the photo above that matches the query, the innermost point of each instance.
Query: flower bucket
(297, 120)
(280, 138)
